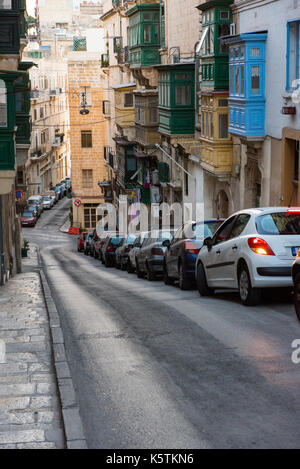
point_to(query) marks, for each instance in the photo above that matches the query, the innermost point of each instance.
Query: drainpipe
(2, 265)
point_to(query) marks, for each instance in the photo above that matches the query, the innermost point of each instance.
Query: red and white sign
(77, 203)
(19, 194)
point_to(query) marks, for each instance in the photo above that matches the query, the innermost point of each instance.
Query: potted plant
(25, 248)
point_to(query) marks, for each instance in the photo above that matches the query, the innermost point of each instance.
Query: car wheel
(95, 254)
(297, 295)
(202, 286)
(106, 262)
(249, 296)
(138, 272)
(123, 266)
(150, 275)
(85, 252)
(167, 280)
(184, 283)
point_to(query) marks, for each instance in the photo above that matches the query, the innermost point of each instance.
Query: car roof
(264, 210)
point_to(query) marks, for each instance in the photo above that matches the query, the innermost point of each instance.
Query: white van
(38, 201)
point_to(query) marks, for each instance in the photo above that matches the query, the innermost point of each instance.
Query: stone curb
(70, 411)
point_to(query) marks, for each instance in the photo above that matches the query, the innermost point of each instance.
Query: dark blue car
(181, 253)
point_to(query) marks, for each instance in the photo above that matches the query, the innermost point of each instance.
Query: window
(242, 90)
(211, 126)
(90, 215)
(239, 225)
(86, 139)
(147, 33)
(162, 25)
(223, 125)
(255, 52)
(106, 107)
(128, 100)
(5, 4)
(224, 15)
(41, 112)
(186, 185)
(237, 85)
(87, 178)
(293, 55)
(35, 114)
(255, 79)
(20, 178)
(3, 104)
(223, 233)
(222, 103)
(224, 30)
(182, 96)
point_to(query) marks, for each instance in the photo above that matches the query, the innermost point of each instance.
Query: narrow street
(155, 367)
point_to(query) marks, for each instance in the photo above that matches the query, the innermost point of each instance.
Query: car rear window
(27, 214)
(282, 223)
(116, 240)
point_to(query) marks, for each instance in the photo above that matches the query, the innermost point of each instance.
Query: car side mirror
(208, 242)
(166, 243)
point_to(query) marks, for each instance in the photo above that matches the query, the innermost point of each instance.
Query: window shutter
(163, 172)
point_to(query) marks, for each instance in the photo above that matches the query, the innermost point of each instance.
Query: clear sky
(30, 7)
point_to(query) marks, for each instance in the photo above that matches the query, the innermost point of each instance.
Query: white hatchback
(253, 249)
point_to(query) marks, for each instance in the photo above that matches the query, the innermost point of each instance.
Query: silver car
(150, 258)
(131, 265)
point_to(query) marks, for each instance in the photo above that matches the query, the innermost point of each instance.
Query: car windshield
(163, 235)
(46, 198)
(34, 202)
(27, 214)
(282, 223)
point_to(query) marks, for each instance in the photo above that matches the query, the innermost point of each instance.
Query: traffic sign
(19, 194)
(77, 203)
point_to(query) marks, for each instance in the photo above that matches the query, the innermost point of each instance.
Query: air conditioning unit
(232, 29)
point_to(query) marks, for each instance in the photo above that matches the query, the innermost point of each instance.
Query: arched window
(3, 104)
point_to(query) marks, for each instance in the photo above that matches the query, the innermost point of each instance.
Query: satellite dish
(84, 112)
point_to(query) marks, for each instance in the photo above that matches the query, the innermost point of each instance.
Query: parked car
(252, 250)
(27, 219)
(87, 249)
(296, 282)
(58, 192)
(123, 251)
(98, 244)
(150, 258)
(131, 265)
(37, 201)
(33, 209)
(80, 241)
(181, 253)
(47, 202)
(112, 242)
(53, 195)
(93, 241)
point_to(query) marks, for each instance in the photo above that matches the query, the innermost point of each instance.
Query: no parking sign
(77, 203)
(19, 194)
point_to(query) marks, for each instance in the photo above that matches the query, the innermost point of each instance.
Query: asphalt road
(155, 367)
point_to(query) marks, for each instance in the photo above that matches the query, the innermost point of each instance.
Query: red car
(80, 241)
(27, 219)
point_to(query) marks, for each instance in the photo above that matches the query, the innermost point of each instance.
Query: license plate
(295, 250)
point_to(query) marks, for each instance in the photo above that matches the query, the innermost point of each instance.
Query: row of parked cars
(36, 204)
(254, 249)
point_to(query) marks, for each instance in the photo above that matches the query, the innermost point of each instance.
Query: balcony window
(255, 80)
(106, 108)
(183, 95)
(223, 125)
(128, 99)
(147, 33)
(5, 4)
(162, 24)
(3, 104)
(293, 55)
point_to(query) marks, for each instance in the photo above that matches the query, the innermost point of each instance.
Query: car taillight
(190, 247)
(260, 246)
(110, 249)
(126, 250)
(298, 253)
(157, 252)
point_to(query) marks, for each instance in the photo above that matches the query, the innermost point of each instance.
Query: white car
(48, 202)
(253, 249)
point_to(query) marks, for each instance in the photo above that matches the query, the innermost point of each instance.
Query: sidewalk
(30, 408)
